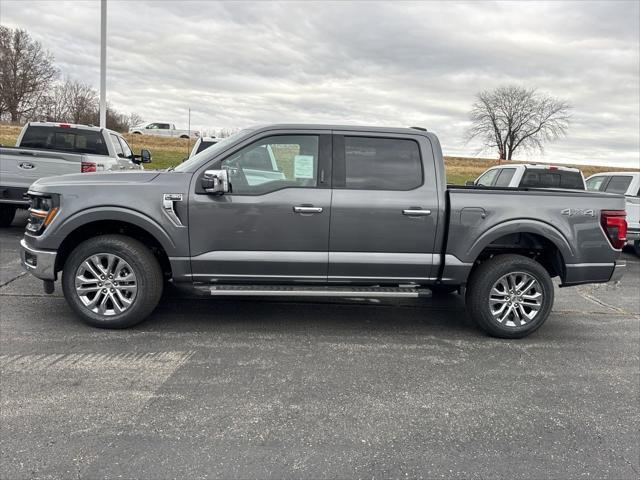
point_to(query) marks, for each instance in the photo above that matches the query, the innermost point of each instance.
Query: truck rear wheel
(7, 214)
(636, 247)
(509, 296)
(112, 281)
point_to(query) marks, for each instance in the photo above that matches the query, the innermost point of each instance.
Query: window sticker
(303, 166)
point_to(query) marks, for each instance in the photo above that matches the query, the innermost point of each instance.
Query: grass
(170, 151)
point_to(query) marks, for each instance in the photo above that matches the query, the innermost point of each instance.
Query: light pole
(103, 63)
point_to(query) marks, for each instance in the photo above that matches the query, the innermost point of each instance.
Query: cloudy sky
(385, 63)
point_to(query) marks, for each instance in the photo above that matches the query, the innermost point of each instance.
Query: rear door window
(373, 163)
(73, 140)
(117, 146)
(594, 184)
(125, 147)
(204, 145)
(505, 176)
(487, 178)
(618, 184)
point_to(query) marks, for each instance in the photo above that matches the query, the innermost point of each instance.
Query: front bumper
(39, 263)
(618, 271)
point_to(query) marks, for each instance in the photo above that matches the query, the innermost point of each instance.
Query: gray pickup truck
(353, 212)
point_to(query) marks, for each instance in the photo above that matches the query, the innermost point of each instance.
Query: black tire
(444, 289)
(636, 247)
(481, 282)
(145, 266)
(7, 214)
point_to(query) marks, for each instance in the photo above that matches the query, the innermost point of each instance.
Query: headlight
(43, 210)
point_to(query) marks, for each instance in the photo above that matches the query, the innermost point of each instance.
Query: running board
(312, 291)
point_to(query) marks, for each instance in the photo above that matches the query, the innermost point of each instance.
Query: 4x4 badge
(578, 212)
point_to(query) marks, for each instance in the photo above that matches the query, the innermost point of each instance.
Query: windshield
(212, 150)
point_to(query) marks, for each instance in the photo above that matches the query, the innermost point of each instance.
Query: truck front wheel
(7, 213)
(112, 281)
(509, 296)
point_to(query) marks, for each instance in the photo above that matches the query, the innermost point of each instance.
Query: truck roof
(79, 126)
(536, 166)
(352, 128)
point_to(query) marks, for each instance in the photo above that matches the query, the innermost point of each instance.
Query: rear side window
(506, 174)
(73, 140)
(382, 164)
(539, 178)
(618, 184)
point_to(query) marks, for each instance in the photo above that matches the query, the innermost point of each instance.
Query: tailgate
(633, 212)
(20, 168)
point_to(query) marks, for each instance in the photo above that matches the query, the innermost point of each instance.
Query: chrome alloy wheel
(106, 284)
(515, 299)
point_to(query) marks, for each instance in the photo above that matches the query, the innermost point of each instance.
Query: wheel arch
(116, 221)
(534, 239)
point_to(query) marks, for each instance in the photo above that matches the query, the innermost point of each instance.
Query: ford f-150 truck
(162, 129)
(358, 212)
(531, 175)
(44, 149)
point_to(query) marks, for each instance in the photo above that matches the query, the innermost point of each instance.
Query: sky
(237, 64)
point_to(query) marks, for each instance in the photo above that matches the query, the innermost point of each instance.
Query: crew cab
(627, 184)
(531, 176)
(357, 212)
(162, 129)
(44, 149)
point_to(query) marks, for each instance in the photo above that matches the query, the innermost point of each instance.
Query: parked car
(360, 212)
(627, 184)
(163, 129)
(531, 175)
(44, 149)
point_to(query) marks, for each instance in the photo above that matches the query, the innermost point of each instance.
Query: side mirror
(216, 182)
(470, 183)
(145, 156)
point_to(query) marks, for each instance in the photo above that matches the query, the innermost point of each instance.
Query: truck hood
(100, 178)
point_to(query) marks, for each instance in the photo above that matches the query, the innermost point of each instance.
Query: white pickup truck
(532, 176)
(46, 149)
(627, 184)
(162, 129)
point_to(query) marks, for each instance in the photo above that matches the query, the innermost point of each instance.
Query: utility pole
(103, 63)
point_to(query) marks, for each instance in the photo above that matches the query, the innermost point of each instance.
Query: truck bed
(478, 216)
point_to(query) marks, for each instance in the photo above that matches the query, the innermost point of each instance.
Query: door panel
(382, 236)
(257, 236)
(272, 228)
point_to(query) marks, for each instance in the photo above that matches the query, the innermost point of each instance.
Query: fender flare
(116, 214)
(535, 227)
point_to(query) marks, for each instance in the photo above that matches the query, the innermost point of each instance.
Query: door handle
(416, 212)
(307, 209)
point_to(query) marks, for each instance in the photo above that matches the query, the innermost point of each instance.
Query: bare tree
(26, 72)
(83, 102)
(514, 118)
(54, 106)
(134, 119)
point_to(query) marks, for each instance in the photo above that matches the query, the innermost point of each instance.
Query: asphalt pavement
(263, 388)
